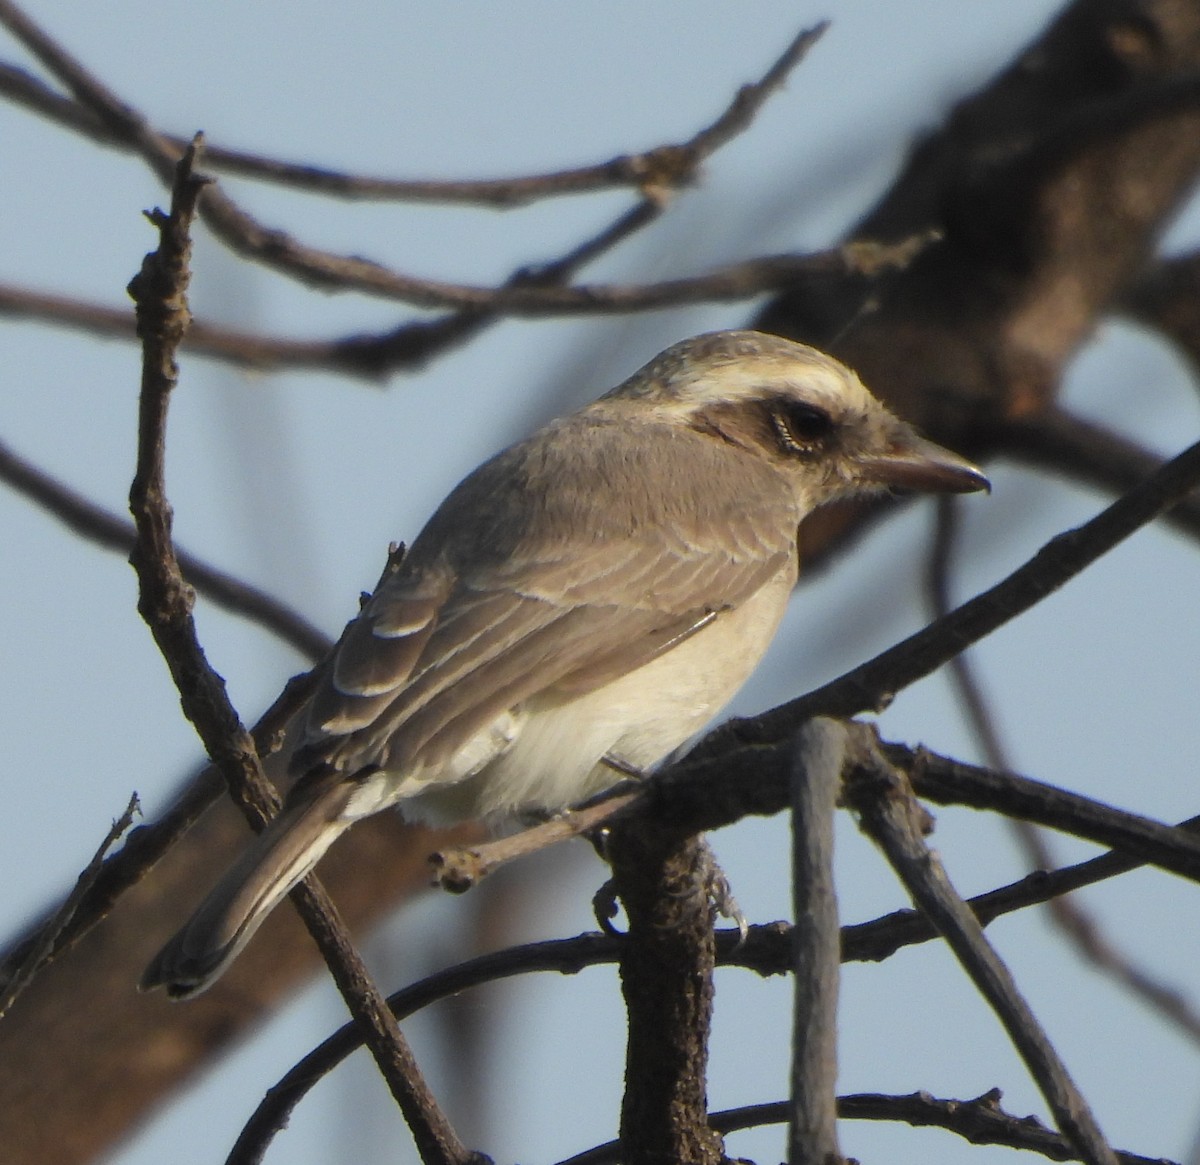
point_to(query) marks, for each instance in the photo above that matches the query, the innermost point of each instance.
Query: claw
(604, 905)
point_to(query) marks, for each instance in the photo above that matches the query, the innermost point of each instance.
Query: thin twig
(816, 781)
(766, 950)
(980, 1121)
(890, 814)
(98, 525)
(623, 171)
(39, 953)
(540, 295)
(148, 843)
(355, 355)
(872, 684)
(160, 292)
(658, 169)
(279, 251)
(1077, 925)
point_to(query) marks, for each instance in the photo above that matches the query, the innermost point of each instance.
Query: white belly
(546, 755)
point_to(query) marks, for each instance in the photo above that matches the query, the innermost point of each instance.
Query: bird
(578, 608)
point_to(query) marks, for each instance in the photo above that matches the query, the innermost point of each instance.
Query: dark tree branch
(654, 172)
(1164, 297)
(819, 753)
(951, 782)
(37, 954)
(278, 250)
(890, 814)
(980, 1121)
(666, 965)
(374, 356)
(160, 293)
(98, 525)
(719, 790)
(1078, 926)
(766, 950)
(872, 684)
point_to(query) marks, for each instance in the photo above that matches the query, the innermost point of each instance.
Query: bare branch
(278, 250)
(37, 954)
(534, 292)
(816, 779)
(1164, 297)
(766, 950)
(873, 683)
(951, 782)
(1078, 926)
(459, 870)
(654, 172)
(98, 525)
(751, 98)
(980, 1121)
(890, 814)
(160, 292)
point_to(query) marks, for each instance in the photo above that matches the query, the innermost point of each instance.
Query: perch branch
(160, 293)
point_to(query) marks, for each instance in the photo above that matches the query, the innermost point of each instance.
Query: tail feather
(225, 921)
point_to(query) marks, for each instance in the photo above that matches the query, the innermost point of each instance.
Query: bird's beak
(912, 463)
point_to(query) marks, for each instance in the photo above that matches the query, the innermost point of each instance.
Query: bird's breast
(547, 753)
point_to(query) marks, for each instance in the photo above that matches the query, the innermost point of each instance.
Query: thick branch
(1061, 443)
(1165, 297)
(666, 965)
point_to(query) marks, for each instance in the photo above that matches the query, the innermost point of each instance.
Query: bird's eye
(802, 427)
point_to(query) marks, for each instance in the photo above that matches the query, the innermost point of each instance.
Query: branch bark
(889, 813)
(816, 781)
(666, 967)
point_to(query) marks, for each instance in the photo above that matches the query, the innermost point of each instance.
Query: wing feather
(522, 585)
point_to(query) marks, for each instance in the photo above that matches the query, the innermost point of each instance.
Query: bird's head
(802, 411)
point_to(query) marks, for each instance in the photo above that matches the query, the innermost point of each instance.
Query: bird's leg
(708, 870)
(604, 901)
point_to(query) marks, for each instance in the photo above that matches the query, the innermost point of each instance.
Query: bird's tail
(225, 921)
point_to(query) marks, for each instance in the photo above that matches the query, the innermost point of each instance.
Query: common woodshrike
(577, 608)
